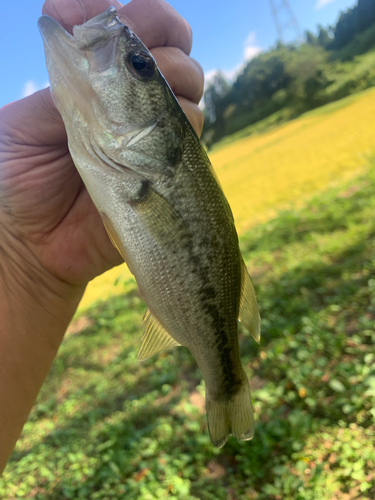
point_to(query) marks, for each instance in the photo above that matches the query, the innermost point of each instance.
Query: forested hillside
(291, 79)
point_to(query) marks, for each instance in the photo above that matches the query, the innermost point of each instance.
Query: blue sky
(225, 34)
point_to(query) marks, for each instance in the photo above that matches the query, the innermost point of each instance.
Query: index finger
(156, 22)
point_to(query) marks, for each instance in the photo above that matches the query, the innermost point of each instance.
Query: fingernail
(70, 12)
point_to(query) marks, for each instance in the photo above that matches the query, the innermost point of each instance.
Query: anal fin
(249, 312)
(155, 338)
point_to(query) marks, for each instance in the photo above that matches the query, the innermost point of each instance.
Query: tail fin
(234, 416)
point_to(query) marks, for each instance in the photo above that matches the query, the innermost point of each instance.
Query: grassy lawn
(108, 427)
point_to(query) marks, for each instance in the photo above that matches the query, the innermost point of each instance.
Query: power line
(284, 20)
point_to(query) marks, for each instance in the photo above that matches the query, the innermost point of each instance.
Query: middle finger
(184, 74)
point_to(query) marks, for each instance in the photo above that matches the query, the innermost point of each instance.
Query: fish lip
(50, 29)
(60, 46)
(95, 40)
(87, 35)
(99, 29)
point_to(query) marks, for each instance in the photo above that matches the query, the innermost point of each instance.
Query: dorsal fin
(155, 338)
(249, 312)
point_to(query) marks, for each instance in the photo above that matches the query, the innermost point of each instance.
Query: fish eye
(141, 64)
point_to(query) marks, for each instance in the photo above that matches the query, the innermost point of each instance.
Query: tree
(311, 39)
(261, 78)
(324, 39)
(215, 104)
(215, 92)
(366, 13)
(346, 28)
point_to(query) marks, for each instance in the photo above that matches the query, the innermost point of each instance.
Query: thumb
(34, 120)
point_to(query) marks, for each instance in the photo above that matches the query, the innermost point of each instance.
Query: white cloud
(251, 50)
(230, 74)
(322, 3)
(31, 86)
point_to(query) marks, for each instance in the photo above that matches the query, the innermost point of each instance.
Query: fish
(161, 203)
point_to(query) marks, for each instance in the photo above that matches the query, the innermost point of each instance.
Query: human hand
(52, 240)
(46, 216)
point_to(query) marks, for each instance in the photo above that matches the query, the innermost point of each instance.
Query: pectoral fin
(160, 219)
(249, 313)
(115, 240)
(155, 338)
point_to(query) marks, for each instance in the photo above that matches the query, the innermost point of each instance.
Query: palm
(42, 199)
(49, 206)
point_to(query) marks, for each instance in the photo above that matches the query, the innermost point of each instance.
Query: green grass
(108, 427)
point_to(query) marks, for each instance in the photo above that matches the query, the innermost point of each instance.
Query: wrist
(35, 310)
(27, 288)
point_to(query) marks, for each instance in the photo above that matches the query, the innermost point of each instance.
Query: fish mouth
(77, 65)
(93, 44)
(99, 29)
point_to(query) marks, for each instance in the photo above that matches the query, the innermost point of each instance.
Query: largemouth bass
(164, 210)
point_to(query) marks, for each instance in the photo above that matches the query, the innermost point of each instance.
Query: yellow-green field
(262, 173)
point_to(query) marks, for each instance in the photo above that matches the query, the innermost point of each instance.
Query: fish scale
(161, 203)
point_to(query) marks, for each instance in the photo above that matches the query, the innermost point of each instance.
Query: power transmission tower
(285, 20)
